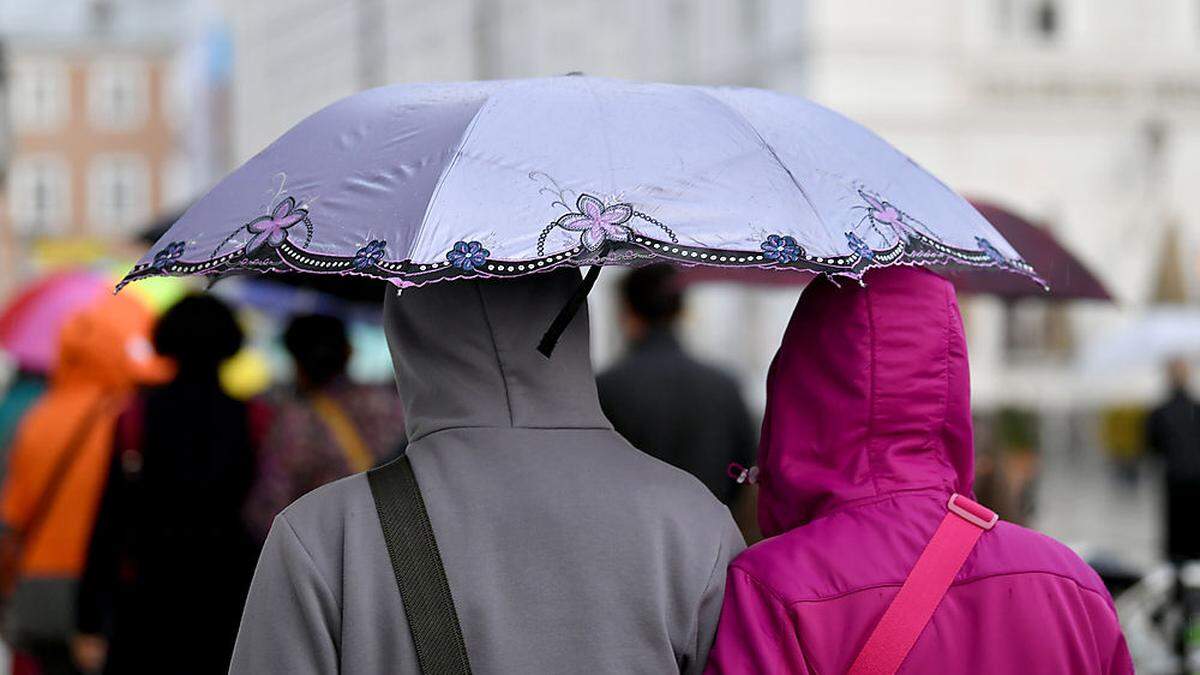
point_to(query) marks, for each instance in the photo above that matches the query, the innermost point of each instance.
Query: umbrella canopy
(424, 183)
(30, 324)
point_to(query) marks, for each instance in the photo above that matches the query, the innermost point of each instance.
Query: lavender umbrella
(425, 183)
(422, 183)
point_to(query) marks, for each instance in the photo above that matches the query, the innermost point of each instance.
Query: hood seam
(943, 450)
(862, 502)
(487, 320)
(872, 460)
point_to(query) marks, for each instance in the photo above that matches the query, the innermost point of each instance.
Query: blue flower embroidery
(860, 247)
(781, 249)
(369, 255)
(167, 255)
(468, 256)
(991, 251)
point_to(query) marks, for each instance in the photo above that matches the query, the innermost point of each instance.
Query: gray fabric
(41, 610)
(566, 549)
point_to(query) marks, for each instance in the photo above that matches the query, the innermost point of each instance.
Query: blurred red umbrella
(1067, 276)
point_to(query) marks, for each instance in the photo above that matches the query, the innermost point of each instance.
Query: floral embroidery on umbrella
(596, 222)
(991, 252)
(273, 229)
(859, 246)
(468, 256)
(167, 255)
(882, 213)
(781, 249)
(369, 255)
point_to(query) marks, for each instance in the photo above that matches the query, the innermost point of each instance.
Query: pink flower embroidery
(598, 223)
(273, 229)
(885, 214)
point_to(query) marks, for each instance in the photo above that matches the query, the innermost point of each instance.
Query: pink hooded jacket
(867, 433)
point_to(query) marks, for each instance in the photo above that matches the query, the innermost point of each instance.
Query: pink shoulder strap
(927, 583)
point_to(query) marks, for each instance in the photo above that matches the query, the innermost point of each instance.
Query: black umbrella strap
(420, 576)
(568, 312)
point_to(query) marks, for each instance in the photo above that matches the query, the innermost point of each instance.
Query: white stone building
(1078, 113)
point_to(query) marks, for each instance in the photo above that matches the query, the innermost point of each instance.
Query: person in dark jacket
(1173, 431)
(666, 403)
(170, 558)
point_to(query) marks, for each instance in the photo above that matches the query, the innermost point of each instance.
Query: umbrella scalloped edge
(607, 237)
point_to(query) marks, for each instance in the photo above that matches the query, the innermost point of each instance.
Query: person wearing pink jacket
(867, 436)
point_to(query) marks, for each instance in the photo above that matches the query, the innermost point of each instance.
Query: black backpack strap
(420, 575)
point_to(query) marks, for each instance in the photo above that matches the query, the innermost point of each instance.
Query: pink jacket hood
(867, 432)
(868, 395)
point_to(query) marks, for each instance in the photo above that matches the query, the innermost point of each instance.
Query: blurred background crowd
(1079, 116)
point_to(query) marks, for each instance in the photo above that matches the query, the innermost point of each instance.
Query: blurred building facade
(336, 49)
(109, 121)
(1079, 114)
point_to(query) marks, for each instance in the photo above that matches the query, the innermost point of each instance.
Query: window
(1004, 17)
(39, 95)
(118, 193)
(1037, 331)
(1045, 17)
(39, 195)
(118, 94)
(1027, 20)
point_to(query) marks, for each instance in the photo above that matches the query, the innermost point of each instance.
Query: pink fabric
(926, 585)
(867, 433)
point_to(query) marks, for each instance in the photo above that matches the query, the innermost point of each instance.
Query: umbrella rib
(437, 190)
(774, 155)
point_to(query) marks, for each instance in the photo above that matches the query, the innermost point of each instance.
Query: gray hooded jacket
(567, 550)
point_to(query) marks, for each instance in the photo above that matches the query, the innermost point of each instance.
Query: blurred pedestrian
(866, 438)
(1173, 431)
(565, 549)
(57, 470)
(170, 559)
(666, 403)
(327, 427)
(24, 389)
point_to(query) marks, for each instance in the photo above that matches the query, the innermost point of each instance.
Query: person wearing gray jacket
(566, 549)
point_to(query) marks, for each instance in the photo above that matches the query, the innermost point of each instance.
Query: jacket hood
(107, 344)
(465, 355)
(868, 395)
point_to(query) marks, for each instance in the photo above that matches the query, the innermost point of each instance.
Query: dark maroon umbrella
(1067, 276)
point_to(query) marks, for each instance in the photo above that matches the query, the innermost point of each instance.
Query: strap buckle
(741, 474)
(972, 512)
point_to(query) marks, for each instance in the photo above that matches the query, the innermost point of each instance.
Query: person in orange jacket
(57, 469)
